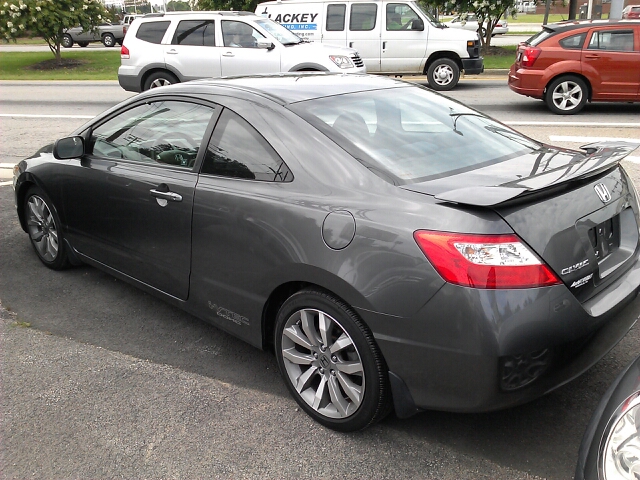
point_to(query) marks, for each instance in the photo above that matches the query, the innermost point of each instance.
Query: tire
(330, 362)
(159, 79)
(443, 74)
(83, 44)
(67, 41)
(108, 40)
(566, 95)
(43, 226)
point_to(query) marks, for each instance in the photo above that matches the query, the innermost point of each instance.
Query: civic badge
(603, 192)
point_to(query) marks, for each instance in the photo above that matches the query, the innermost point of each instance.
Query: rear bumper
(473, 66)
(129, 78)
(452, 358)
(526, 82)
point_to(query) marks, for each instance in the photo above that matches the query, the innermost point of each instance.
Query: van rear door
(334, 31)
(365, 21)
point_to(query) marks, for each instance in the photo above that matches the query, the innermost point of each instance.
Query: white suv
(161, 49)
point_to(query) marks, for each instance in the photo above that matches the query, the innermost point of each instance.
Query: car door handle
(172, 52)
(174, 197)
(591, 56)
(228, 54)
(384, 45)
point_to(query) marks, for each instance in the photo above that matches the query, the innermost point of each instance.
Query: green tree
(48, 19)
(177, 6)
(246, 5)
(488, 12)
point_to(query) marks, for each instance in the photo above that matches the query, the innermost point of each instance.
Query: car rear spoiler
(599, 157)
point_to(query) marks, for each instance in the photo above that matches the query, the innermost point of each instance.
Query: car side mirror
(266, 44)
(417, 24)
(68, 147)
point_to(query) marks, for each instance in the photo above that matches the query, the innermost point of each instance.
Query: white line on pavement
(574, 124)
(569, 138)
(24, 115)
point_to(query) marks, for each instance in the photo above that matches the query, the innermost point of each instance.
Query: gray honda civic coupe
(394, 248)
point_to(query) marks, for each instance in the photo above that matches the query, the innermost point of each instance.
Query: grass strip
(101, 65)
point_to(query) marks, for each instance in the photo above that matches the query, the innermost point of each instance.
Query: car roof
(289, 88)
(201, 13)
(576, 24)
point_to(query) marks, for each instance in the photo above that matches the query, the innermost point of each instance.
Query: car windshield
(284, 36)
(412, 135)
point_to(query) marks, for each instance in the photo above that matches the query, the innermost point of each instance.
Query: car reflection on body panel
(394, 248)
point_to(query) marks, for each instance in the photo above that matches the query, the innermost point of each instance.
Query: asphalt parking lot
(100, 380)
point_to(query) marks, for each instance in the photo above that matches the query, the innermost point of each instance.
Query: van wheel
(443, 74)
(160, 79)
(566, 95)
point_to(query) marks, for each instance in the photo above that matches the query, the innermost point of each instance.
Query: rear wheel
(43, 226)
(108, 40)
(566, 95)
(159, 79)
(67, 41)
(443, 74)
(330, 362)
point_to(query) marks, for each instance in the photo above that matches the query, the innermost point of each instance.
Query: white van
(392, 37)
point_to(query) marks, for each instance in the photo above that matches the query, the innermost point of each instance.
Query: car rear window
(152, 32)
(195, 32)
(539, 37)
(411, 135)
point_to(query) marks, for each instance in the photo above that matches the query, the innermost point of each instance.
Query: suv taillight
(529, 56)
(124, 52)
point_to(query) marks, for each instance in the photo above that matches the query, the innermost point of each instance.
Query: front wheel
(108, 40)
(330, 362)
(67, 41)
(159, 79)
(43, 226)
(443, 74)
(566, 95)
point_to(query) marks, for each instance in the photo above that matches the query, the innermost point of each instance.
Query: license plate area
(605, 238)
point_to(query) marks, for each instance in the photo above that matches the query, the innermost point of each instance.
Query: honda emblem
(603, 192)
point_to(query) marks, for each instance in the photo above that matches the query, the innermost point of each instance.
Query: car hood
(453, 33)
(524, 174)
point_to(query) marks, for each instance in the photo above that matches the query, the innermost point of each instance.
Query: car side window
(363, 17)
(335, 17)
(195, 32)
(613, 40)
(165, 132)
(574, 42)
(152, 32)
(237, 150)
(399, 16)
(240, 34)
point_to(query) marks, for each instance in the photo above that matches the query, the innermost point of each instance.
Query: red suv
(570, 63)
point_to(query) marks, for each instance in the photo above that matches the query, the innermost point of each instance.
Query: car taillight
(529, 56)
(124, 52)
(484, 261)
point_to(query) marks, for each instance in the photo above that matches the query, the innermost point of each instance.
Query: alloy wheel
(323, 363)
(42, 228)
(567, 95)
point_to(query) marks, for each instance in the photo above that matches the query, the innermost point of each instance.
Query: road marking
(569, 138)
(4, 184)
(575, 124)
(24, 115)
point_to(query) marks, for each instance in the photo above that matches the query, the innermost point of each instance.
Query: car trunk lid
(577, 211)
